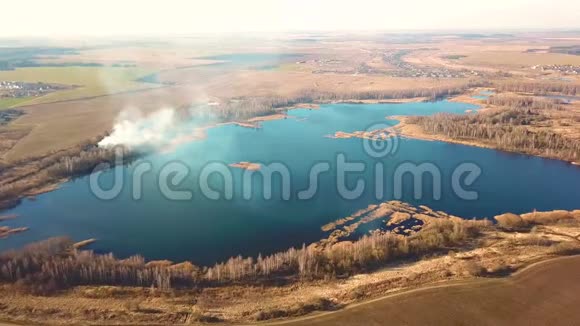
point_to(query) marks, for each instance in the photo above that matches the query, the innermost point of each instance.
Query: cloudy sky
(123, 17)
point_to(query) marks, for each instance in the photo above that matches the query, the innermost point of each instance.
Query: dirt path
(547, 293)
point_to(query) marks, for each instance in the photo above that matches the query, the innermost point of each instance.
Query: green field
(6, 103)
(92, 81)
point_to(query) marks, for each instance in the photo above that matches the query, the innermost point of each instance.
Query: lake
(205, 231)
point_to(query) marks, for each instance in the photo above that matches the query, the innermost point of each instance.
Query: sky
(130, 17)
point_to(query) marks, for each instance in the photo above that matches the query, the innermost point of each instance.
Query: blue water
(205, 231)
(483, 95)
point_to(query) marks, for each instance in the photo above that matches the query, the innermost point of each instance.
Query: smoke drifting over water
(160, 130)
(134, 130)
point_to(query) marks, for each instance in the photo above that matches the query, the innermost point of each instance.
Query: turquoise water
(483, 95)
(205, 231)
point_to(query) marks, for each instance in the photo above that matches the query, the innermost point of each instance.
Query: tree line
(246, 107)
(538, 88)
(55, 264)
(529, 102)
(18, 177)
(505, 129)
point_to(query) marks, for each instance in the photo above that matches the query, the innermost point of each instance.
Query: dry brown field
(544, 294)
(58, 120)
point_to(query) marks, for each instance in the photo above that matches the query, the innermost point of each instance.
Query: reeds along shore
(56, 264)
(32, 175)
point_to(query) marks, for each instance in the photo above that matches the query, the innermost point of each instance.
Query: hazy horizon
(131, 17)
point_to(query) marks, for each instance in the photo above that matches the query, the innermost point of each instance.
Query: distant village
(15, 89)
(564, 69)
(397, 68)
(405, 69)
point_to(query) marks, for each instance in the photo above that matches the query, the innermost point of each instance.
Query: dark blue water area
(205, 231)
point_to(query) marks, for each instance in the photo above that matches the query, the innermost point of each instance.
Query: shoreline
(495, 253)
(245, 165)
(200, 134)
(413, 131)
(402, 128)
(7, 231)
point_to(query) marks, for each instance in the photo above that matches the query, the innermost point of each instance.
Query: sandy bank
(6, 231)
(277, 116)
(409, 130)
(379, 134)
(8, 217)
(390, 101)
(246, 166)
(255, 123)
(44, 189)
(466, 98)
(311, 106)
(84, 243)
(413, 131)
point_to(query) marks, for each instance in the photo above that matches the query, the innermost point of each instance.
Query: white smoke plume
(134, 130)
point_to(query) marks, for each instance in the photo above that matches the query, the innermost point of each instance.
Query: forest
(247, 107)
(20, 177)
(509, 127)
(538, 88)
